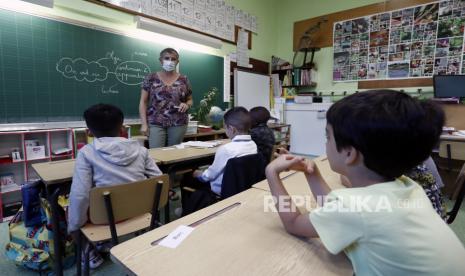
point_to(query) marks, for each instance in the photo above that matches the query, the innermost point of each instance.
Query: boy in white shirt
(384, 222)
(237, 123)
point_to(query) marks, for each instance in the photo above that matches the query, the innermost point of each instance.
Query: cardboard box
(36, 152)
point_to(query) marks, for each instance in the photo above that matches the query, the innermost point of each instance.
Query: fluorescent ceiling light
(45, 3)
(169, 30)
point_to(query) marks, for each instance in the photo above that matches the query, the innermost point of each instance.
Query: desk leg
(172, 176)
(53, 200)
(167, 212)
(449, 158)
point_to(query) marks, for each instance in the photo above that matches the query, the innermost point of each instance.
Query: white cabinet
(19, 150)
(308, 122)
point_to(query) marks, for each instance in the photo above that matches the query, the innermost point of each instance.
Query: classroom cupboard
(18, 151)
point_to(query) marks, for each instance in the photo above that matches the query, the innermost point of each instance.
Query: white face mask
(169, 65)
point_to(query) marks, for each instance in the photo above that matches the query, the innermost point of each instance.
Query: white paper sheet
(160, 9)
(242, 49)
(187, 13)
(210, 22)
(175, 238)
(199, 15)
(174, 11)
(146, 7)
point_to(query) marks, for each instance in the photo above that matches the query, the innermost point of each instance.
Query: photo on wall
(414, 42)
(398, 70)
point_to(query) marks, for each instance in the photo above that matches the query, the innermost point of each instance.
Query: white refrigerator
(308, 122)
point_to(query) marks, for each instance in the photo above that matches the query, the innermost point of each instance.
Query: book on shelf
(10, 209)
(296, 75)
(7, 179)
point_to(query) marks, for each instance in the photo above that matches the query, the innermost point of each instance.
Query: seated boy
(384, 221)
(237, 125)
(261, 134)
(109, 160)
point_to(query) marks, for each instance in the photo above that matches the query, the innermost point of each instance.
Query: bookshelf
(18, 151)
(298, 77)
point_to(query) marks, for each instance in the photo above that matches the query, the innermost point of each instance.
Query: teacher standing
(166, 97)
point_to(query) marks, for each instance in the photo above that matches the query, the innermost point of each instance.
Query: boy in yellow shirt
(384, 222)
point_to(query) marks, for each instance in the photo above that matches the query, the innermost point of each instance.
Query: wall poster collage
(415, 42)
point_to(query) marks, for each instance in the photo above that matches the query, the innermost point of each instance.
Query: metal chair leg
(57, 239)
(86, 260)
(79, 253)
(111, 218)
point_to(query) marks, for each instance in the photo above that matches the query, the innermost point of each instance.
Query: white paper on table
(175, 238)
(202, 144)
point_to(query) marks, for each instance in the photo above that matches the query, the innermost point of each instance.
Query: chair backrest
(128, 200)
(241, 173)
(460, 184)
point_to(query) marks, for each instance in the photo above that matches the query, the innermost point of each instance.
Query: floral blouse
(164, 100)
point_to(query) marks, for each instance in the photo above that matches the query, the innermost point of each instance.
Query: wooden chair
(460, 184)
(452, 150)
(240, 173)
(120, 210)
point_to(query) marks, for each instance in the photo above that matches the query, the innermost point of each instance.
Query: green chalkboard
(52, 71)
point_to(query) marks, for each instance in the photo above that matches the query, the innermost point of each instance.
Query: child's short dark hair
(259, 115)
(239, 118)
(104, 120)
(393, 131)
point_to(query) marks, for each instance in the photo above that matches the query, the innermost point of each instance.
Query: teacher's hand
(143, 130)
(183, 107)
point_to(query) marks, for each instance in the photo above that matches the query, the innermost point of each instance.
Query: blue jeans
(165, 136)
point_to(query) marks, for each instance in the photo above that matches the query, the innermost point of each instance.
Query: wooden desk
(452, 147)
(210, 135)
(58, 172)
(55, 172)
(57, 176)
(170, 155)
(244, 239)
(215, 134)
(449, 137)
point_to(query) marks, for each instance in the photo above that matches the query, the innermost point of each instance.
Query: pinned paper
(176, 237)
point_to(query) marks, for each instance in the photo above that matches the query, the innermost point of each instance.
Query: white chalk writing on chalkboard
(110, 90)
(127, 72)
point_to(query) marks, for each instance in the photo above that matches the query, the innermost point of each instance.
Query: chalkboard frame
(197, 96)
